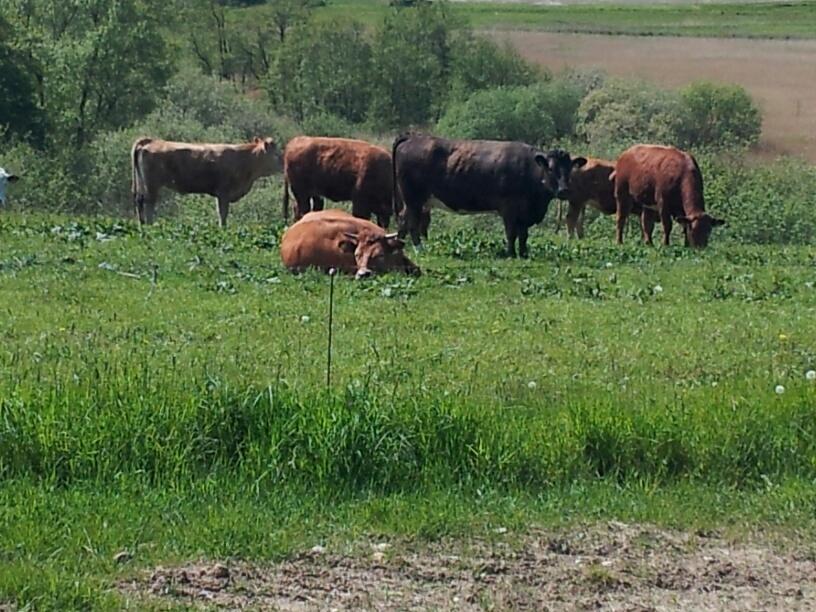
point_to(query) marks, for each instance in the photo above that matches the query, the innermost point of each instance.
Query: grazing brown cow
(593, 184)
(338, 169)
(335, 239)
(225, 171)
(668, 181)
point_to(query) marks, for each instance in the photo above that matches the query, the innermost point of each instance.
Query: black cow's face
(377, 253)
(698, 228)
(557, 167)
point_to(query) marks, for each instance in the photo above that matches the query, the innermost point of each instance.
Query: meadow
(164, 394)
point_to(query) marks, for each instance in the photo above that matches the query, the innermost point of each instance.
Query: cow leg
(148, 207)
(511, 231)
(303, 202)
(574, 224)
(522, 231)
(666, 220)
(647, 221)
(317, 203)
(223, 211)
(624, 206)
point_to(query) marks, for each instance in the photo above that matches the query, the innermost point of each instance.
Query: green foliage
(99, 64)
(411, 65)
(323, 68)
(478, 63)
(621, 113)
(20, 115)
(719, 116)
(535, 114)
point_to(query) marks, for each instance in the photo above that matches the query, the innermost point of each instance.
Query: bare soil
(612, 566)
(779, 74)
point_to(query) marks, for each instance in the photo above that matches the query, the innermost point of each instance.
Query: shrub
(621, 113)
(323, 68)
(719, 115)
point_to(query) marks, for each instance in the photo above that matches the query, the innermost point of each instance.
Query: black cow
(475, 176)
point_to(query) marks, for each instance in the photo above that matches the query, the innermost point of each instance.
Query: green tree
(98, 63)
(323, 69)
(719, 115)
(412, 64)
(20, 115)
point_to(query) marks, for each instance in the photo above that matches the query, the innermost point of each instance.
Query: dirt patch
(608, 567)
(779, 74)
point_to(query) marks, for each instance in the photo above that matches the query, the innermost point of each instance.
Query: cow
(513, 179)
(5, 180)
(667, 181)
(593, 184)
(335, 239)
(339, 169)
(225, 171)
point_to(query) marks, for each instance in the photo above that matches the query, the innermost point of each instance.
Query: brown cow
(668, 181)
(335, 239)
(593, 184)
(338, 169)
(225, 171)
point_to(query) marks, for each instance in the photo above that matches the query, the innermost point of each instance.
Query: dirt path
(606, 567)
(781, 75)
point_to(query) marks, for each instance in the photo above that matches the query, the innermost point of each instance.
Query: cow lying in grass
(335, 239)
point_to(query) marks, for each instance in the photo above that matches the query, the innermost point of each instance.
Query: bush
(323, 68)
(535, 114)
(621, 113)
(719, 116)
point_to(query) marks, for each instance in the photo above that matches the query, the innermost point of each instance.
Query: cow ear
(542, 160)
(394, 243)
(683, 220)
(348, 244)
(717, 222)
(578, 162)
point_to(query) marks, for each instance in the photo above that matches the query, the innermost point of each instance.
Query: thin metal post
(332, 273)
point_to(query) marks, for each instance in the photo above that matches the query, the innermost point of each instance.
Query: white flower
(779, 389)
(305, 319)
(658, 289)
(810, 374)
(608, 264)
(532, 384)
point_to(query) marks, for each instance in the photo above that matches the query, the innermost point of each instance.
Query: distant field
(760, 19)
(780, 75)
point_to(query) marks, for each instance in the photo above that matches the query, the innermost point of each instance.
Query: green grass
(162, 392)
(753, 20)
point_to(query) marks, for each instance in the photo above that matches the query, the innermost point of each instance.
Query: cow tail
(137, 187)
(397, 196)
(285, 199)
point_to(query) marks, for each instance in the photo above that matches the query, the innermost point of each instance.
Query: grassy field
(163, 393)
(753, 20)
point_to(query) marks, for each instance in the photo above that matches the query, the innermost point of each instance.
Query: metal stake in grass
(332, 273)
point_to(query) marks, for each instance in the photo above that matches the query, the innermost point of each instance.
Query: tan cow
(339, 169)
(224, 171)
(667, 181)
(335, 239)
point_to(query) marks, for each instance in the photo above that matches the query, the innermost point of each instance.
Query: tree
(719, 115)
(98, 63)
(288, 13)
(20, 115)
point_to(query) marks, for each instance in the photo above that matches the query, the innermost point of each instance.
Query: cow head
(270, 155)
(5, 179)
(377, 252)
(698, 228)
(557, 166)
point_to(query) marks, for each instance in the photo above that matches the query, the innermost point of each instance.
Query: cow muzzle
(563, 194)
(363, 273)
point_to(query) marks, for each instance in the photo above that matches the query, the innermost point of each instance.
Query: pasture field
(163, 395)
(727, 19)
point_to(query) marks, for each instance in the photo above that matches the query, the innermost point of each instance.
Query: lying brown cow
(338, 169)
(593, 184)
(225, 171)
(335, 239)
(668, 181)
